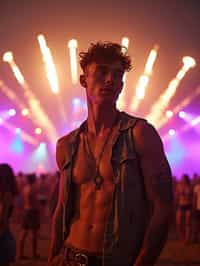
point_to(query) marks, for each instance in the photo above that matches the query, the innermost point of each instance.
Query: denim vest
(128, 219)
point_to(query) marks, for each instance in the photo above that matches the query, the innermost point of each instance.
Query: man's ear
(83, 81)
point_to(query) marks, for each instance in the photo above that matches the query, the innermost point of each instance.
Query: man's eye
(102, 70)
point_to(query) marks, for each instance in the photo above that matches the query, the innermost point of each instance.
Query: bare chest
(93, 161)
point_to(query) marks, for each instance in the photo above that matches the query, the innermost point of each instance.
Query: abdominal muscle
(91, 213)
(91, 206)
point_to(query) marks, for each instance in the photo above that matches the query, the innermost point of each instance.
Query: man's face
(104, 81)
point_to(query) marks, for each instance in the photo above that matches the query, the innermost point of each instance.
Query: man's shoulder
(65, 147)
(68, 138)
(130, 121)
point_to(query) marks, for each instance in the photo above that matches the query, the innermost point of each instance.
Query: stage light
(121, 102)
(18, 130)
(51, 73)
(72, 45)
(125, 44)
(8, 56)
(17, 143)
(76, 101)
(151, 60)
(144, 79)
(25, 112)
(38, 131)
(195, 121)
(181, 114)
(188, 61)
(12, 112)
(142, 84)
(169, 113)
(42, 145)
(1, 121)
(154, 116)
(37, 112)
(172, 132)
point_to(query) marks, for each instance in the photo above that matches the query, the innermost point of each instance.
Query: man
(115, 197)
(30, 217)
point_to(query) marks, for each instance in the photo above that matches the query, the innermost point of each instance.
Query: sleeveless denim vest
(129, 215)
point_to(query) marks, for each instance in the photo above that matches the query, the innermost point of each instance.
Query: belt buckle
(85, 257)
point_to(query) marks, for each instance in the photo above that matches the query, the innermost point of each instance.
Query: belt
(81, 258)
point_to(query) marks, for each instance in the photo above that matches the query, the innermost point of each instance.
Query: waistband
(81, 257)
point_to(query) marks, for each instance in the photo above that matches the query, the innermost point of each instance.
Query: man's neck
(101, 118)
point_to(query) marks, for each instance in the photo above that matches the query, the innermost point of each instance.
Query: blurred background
(40, 95)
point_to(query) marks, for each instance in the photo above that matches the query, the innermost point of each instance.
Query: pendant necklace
(98, 178)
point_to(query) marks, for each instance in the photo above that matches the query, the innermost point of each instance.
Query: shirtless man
(115, 196)
(31, 218)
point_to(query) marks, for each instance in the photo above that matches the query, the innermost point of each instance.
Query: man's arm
(158, 185)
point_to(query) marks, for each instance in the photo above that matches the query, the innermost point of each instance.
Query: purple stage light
(12, 112)
(181, 114)
(172, 132)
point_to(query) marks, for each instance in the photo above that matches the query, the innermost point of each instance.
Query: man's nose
(109, 77)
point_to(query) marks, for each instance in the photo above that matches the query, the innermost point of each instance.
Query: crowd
(31, 199)
(187, 208)
(24, 199)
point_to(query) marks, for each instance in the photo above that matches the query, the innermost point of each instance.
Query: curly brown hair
(105, 51)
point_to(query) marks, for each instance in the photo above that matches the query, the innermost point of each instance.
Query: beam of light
(24, 136)
(192, 124)
(161, 104)
(51, 73)
(11, 95)
(72, 45)
(144, 79)
(8, 57)
(7, 114)
(180, 106)
(39, 157)
(186, 116)
(17, 143)
(195, 121)
(121, 100)
(175, 151)
(38, 113)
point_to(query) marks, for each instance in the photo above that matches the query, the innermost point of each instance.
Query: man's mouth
(107, 90)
